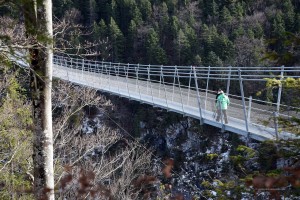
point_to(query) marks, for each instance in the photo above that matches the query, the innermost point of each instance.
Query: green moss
(212, 156)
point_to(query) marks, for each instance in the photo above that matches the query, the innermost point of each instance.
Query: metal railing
(178, 86)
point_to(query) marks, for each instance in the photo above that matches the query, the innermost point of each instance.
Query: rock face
(170, 136)
(190, 160)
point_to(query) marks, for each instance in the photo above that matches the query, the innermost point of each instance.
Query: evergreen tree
(278, 26)
(206, 39)
(146, 9)
(174, 26)
(136, 15)
(164, 20)
(239, 10)
(297, 25)
(127, 10)
(223, 47)
(60, 7)
(225, 15)
(117, 39)
(96, 32)
(250, 33)
(258, 31)
(104, 10)
(155, 54)
(192, 47)
(92, 11)
(101, 46)
(239, 31)
(210, 8)
(183, 48)
(131, 42)
(213, 60)
(289, 15)
(102, 29)
(197, 60)
(84, 9)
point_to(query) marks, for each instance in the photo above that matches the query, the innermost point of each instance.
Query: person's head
(220, 91)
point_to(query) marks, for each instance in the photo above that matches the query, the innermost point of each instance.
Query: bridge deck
(172, 98)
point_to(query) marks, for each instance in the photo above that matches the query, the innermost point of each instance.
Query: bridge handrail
(178, 66)
(187, 69)
(186, 72)
(184, 77)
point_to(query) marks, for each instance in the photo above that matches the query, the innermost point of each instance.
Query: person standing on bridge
(221, 105)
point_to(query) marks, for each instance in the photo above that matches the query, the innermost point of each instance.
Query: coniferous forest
(185, 32)
(106, 147)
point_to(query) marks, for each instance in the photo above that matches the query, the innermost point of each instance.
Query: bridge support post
(189, 90)
(249, 109)
(148, 80)
(181, 97)
(102, 74)
(276, 114)
(208, 75)
(68, 72)
(137, 81)
(127, 80)
(137, 76)
(244, 105)
(198, 96)
(221, 115)
(174, 81)
(228, 81)
(160, 78)
(82, 67)
(109, 75)
(162, 75)
(117, 75)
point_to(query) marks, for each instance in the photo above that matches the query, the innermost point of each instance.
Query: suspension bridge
(180, 89)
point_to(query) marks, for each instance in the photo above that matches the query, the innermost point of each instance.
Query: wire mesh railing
(178, 86)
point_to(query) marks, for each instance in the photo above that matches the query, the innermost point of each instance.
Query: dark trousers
(219, 113)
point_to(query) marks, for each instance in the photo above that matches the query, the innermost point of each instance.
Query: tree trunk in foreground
(38, 20)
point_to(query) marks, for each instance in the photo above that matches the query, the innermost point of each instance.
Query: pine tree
(92, 11)
(183, 48)
(213, 60)
(136, 15)
(146, 9)
(225, 15)
(192, 47)
(297, 25)
(223, 47)
(278, 26)
(155, 54)
(207, 39)
(103, 32)
(210, 8)
(60, 7)
(174, 27)
(239, 31)
(258, 31)
(239, 10)
(117, 39)
(96, 32)
(131, 42)
(289, 15)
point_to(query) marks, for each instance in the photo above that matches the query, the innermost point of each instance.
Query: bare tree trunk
(38, 20)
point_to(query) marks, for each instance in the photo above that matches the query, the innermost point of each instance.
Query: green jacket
(224, 100)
